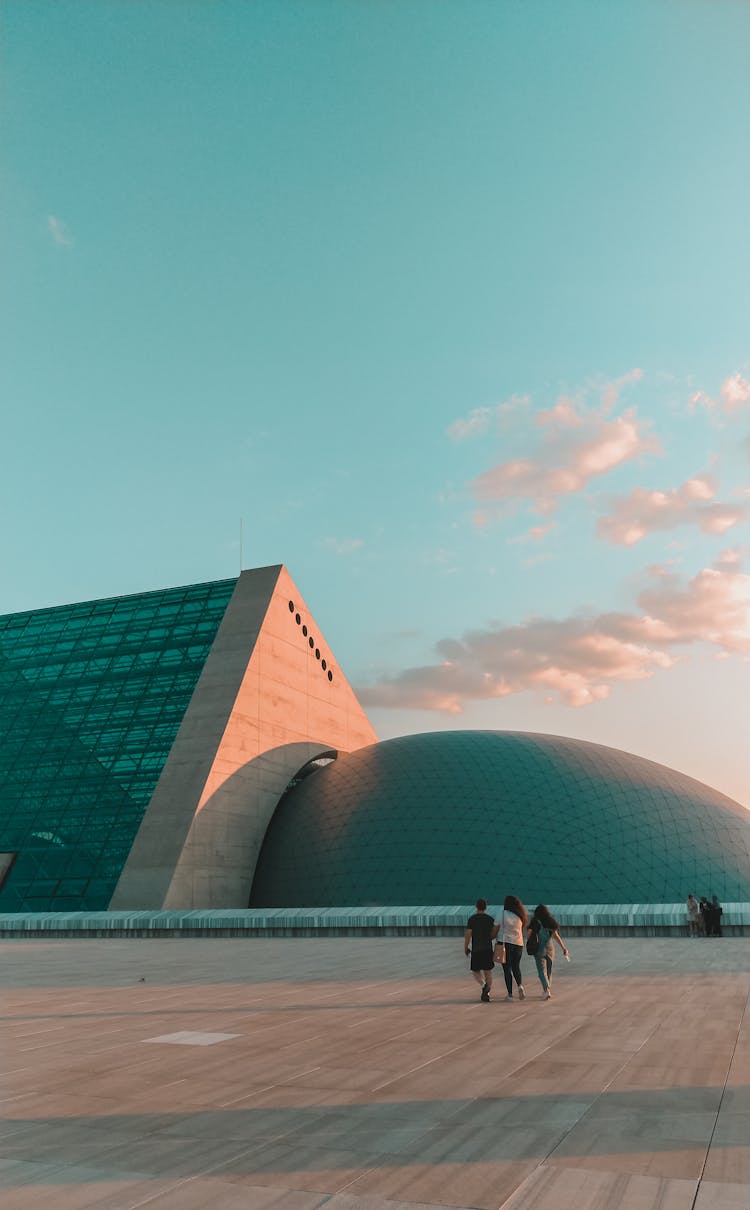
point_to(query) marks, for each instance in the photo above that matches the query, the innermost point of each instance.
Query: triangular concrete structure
(270, 699)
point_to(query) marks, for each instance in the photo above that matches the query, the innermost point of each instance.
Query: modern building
(441, 817)
(145, 741)
(200, 747)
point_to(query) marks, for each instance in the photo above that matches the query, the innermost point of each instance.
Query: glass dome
(444, 817)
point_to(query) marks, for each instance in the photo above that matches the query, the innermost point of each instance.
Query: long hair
(545, 918)
(514, 905)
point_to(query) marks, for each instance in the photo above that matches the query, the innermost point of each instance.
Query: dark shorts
(481, 960)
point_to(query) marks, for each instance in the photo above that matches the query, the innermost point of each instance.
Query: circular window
(304, 630)
(330, 675)
(317, 654)
(323, 665)
(297, 618)
(311, 641)
(291, 606)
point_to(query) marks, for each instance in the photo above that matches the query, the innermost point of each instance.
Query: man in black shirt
(481, 931)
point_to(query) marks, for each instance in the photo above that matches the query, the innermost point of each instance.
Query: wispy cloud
(735, 393)
(59, 231)
(484, 419)
(344, 546)
(537, 533)
(575, 447)
(734, 396)
(612, 390)
(640, 513)
(579, 659)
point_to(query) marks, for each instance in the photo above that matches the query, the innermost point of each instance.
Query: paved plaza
(364, 1074)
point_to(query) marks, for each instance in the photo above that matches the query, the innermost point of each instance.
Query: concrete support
(268, 701)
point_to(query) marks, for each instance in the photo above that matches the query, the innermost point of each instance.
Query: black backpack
(532, 941)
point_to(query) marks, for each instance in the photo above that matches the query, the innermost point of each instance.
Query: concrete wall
(263, 707)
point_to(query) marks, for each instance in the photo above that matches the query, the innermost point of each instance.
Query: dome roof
(447, 816)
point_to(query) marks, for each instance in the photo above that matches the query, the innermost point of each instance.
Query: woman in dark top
(481, 931)
(545, 929)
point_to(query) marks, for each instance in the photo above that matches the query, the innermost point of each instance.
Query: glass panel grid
(91, 698)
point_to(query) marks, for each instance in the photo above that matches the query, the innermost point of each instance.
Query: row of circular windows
(310, 640)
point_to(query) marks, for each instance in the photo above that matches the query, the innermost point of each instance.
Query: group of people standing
(488, 941)
(704, 916)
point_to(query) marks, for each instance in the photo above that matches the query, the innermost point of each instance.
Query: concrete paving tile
(550, 1110)
(203, 1192)
(483, 1186)
(683, 1163)
(736, 1099)
(470, 1144)
(353, 1078)
(348, 1201)
(655, 1101)
(289, 1095)
(246, 1124)
(667, 1145)
(552, 1188)
(729, 1153)
(714, 1195)
(160, 1156)
(11, 1129)
(320, 1169)
(97, 1195)
(15, 1173)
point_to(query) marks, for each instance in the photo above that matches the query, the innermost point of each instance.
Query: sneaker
(508, 997)
(485, 994)
(547, 995)
(521, 994)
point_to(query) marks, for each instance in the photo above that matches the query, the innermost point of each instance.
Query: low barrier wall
(594, 920)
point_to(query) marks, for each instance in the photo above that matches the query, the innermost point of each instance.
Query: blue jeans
(544, 969)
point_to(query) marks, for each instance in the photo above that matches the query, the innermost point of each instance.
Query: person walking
(509, 946)
(703, 908)
(693, 916)
(481, 931)
(542, 934)
(713, 913)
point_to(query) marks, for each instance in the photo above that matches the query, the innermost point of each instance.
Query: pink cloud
(611, 392)
(482, 420)
(735, 393)
(640, 513)
(714, 607)
(576, 448)
(578, 660)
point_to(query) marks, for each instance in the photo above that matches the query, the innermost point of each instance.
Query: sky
(447, 302)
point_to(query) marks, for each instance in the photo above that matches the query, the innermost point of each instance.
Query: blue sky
(448, 301)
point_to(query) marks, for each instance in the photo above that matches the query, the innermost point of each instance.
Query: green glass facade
(91, 698)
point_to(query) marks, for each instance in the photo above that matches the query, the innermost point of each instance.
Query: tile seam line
(593, 1102)
(721, 1100)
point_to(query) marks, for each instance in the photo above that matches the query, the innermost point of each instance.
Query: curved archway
(217, 863)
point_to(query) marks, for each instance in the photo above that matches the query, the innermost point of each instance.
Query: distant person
(693, 916)
(705, 915)
(481, 931)
(714, 913)
(545, 931)
(510, 943)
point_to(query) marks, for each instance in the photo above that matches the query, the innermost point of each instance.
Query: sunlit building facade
(145, 741)
(200, 748)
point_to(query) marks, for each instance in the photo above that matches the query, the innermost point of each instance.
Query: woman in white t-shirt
(512, 923)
